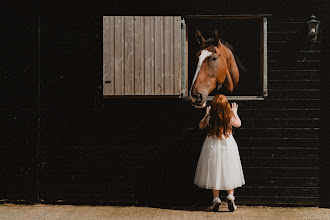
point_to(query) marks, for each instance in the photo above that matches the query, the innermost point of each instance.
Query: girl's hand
(208, 110)
(234, 107)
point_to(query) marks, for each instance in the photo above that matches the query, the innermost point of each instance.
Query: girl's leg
(215, 193)
(230, 192)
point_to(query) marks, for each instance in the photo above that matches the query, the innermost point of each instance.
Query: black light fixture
(313, 28)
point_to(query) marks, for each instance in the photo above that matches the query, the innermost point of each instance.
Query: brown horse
(216, 67)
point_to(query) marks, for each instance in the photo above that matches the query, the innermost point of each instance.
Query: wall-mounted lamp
(313, 28)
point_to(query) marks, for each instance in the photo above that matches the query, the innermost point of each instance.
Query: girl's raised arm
(235, 121)
(203, 123)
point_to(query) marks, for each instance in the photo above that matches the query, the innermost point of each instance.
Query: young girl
(219, 165)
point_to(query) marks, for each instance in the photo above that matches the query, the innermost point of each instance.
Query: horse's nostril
(199, 96)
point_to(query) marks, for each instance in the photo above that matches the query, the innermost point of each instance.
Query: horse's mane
(230, 47)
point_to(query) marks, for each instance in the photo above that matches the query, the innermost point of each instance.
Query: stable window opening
(247, 36)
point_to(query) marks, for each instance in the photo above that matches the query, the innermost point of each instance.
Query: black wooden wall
(62, 142)
(18, 109)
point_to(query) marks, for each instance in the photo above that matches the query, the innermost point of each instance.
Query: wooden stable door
(142, 55)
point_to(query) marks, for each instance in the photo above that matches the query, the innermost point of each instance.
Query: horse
(216, 67)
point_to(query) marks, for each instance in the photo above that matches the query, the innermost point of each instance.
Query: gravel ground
(42, 211)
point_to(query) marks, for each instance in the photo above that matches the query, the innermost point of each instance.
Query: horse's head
(216, 66)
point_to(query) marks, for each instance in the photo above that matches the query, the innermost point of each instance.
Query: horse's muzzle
(197, 104)
(197, 100)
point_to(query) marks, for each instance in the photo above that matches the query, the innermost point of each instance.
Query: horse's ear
(199, 37)
(217, 37)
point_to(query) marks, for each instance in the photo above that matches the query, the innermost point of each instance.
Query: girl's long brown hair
(220, 115)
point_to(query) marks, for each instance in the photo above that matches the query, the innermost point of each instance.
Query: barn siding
(136, 151)
(18, 109)
(145, 56)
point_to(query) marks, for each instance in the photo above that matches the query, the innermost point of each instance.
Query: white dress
(219, 165)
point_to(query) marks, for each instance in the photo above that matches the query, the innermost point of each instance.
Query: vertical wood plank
(168, 55)
(186, 61)
(129, 55)
(177, 54)
(123, 56)
(152, 55)
(264, 52)
(143, 54)
(138, 52)
(147, 59)
(108, 55)
(172, 57)
(158, 56)
(119, 54)
(162, 60)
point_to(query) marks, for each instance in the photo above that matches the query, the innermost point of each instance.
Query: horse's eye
(214, 58)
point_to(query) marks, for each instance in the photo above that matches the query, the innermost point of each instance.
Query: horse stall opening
(247, 48)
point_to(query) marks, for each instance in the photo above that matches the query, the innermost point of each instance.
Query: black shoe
(215, 206)
(231, 204)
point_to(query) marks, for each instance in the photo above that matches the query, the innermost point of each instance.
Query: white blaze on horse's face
(201, 58)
